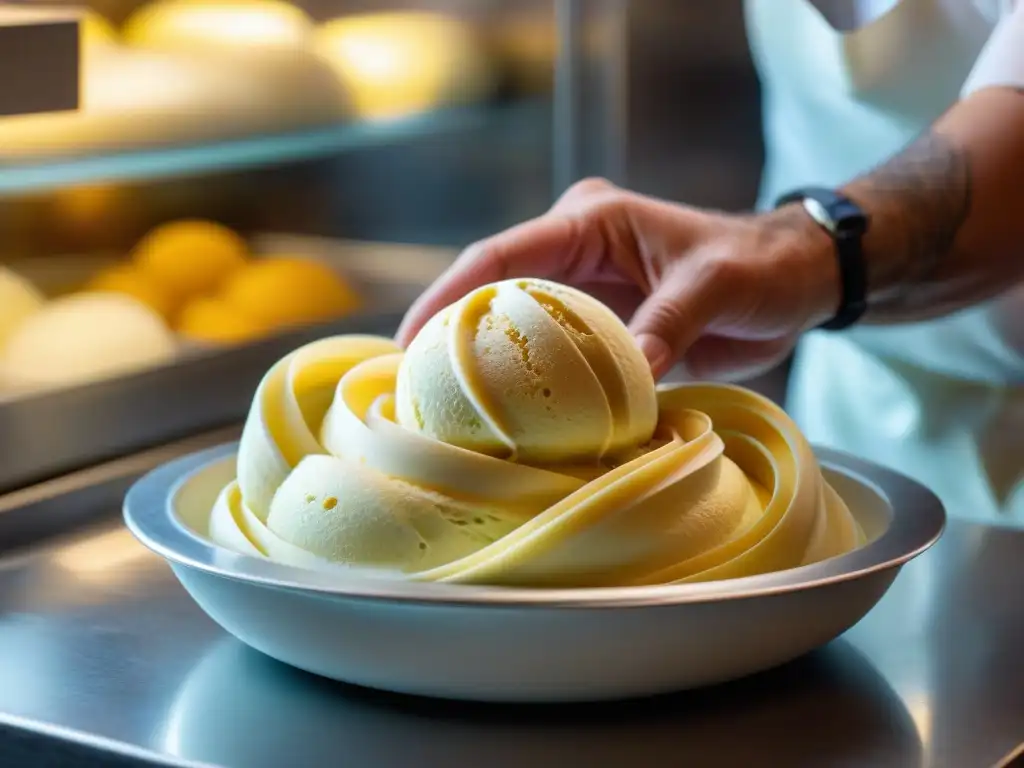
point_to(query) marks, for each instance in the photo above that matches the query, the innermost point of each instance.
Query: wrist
(808, 253)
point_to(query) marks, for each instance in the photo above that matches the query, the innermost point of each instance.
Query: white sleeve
(1001, 62)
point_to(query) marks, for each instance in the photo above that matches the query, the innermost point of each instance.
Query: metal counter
(104, 660)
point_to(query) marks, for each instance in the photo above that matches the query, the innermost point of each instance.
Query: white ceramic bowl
(505, 644)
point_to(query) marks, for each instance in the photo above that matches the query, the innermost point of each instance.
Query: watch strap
(846, 224)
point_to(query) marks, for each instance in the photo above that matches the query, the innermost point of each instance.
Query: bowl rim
(918, 519)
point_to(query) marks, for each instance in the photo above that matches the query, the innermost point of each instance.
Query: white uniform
(845, 85)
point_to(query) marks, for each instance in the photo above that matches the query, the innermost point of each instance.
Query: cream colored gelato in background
(84, 337)
(187, 285)
(401, 63)
(19, 299)
(521, 440)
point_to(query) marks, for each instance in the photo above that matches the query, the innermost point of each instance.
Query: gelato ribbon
(521, 440)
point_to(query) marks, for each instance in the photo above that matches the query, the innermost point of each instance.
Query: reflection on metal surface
(919, 708)
(961, 657)
(1014, 759)
(40, 510)
(172, 682)
(238, 708)
(100, 558)
(930, 678)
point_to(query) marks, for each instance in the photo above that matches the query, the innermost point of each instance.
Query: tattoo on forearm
(919, 200)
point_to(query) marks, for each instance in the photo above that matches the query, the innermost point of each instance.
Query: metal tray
(104, 660)
(47, 434)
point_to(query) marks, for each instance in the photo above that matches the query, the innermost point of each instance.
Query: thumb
(673, 316)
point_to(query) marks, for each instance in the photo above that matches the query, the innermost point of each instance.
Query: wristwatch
(846, 223)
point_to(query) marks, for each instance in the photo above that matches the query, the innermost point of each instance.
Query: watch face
(819, 213)
(838, 215)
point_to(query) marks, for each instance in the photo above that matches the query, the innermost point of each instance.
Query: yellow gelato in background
(205, 24)
(268, 295)
(132, 281)
(200, 277)
(283, 291)
(189, 258)
(340, 466)
(396, 63)
(96, 31)
(211, 320)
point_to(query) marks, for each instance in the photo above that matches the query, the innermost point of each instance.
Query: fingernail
(656, 351)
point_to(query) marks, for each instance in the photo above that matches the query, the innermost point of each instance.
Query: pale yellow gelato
(445, 463)
(84, 337)
(19, 299)
(192, 25)
(532, 371)
(399, 63)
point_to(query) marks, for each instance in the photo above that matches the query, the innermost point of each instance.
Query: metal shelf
(170, 162)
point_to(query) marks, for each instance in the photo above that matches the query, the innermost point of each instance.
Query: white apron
(941, 401)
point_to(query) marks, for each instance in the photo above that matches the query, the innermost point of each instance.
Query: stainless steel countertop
(104, 660)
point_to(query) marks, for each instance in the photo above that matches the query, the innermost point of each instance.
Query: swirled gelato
(521, 440)
(530, 371)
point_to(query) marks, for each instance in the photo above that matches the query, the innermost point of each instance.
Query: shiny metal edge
(918, 521)
(1013, 757)
(99, 748)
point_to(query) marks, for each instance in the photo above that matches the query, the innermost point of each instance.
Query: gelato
(84, 337)
(266, 296)
(190, 257)
(521, 441)
(197, 24)
(96, 31)
(19, 299)
(132, 281)
(537, 373)
(400, 63)
(281, 291)
(210, 320)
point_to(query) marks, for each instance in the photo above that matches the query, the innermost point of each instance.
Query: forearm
(947, 213)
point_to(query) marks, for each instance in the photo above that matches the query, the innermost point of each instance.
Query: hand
(727, 296)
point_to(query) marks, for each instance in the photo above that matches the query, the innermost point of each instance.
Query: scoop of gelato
(528, 370)
(19, 299)
(449, 462)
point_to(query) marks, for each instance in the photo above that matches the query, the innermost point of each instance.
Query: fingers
(552, 246)
(542, 247)
(672, 318)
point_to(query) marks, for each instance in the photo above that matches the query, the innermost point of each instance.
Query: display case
(244, 175)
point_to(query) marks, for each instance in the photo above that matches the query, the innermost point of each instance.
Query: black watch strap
(846, 223)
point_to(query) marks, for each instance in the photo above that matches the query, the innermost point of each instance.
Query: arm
(729, 295)
(947, 213)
